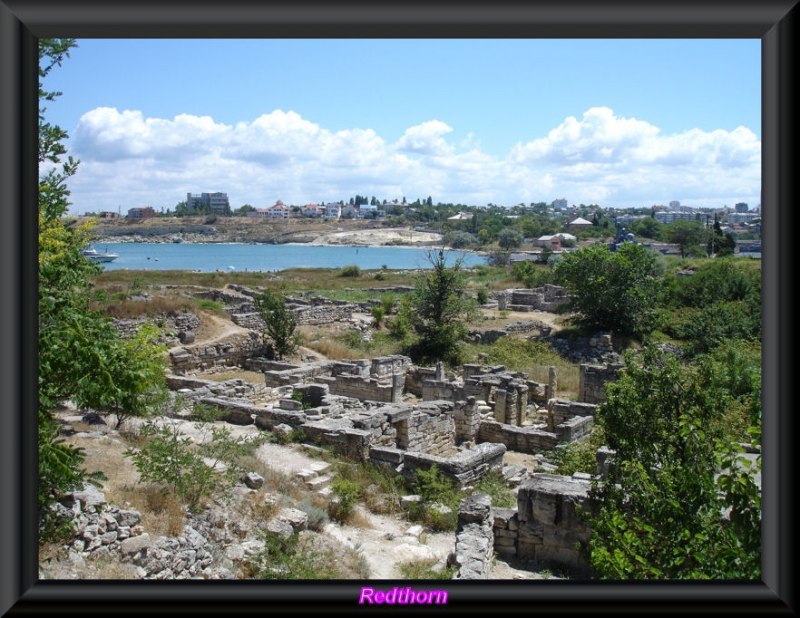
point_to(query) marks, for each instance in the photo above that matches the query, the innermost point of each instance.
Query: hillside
(248, 230)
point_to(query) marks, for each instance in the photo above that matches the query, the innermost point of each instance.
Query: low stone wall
(465, 467)
(297, 375)
(574, 429)
(264, 418)
(343, 439)
(546, 298)
(430, 429)
(474, 546)
(593, 378)
(560, 411)
(306, 315)
(548, 526)
(264, 364)
(595, 350)
(521, 439)
(105, 533)
(372, 389)
(174, 325)
(231, 352)
(196, 388)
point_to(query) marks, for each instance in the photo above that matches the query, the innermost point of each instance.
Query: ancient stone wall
(231, 352)
(574, 429)
(521, 439)
(593, 378)
(196, 388)
(467, 421)
(546, 527)
(296, 375)
(171, 326)
(372, 389)
(474, 548)
(464, 467)
(546, 298)
(429, 429)
(560, 411)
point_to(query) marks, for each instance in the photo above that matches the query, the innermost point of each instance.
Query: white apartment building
(217, 201)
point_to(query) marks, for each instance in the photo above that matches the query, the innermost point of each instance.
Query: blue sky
(620, 123)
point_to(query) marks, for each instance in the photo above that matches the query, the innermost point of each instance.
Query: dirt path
(214, 328)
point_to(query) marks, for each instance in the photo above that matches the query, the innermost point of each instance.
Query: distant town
(554, 225)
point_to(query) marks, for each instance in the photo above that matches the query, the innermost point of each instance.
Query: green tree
(721, 301)
(81, 356)
(243, 210)
(460, 240)
(659, 514)
(191, 470)
(647, 227)
(688, 235)
(509, 238)
(439, 308)
(615, 291)
(280, 323)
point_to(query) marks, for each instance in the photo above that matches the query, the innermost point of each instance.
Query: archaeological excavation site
(465, 423)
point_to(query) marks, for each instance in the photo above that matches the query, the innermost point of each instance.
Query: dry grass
(162, 513)
(325, 342)
(357, 518)
(252, 377)
(152, 306)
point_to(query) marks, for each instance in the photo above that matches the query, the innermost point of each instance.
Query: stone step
(318, 482)
(305, 474)
(320, 466)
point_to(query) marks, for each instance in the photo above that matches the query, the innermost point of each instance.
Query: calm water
(227, 257)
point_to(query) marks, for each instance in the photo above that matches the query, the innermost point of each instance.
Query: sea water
(213, 257)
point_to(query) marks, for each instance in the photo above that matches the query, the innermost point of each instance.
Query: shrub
(378, 313)
(292, 558)
(425, 569)
(192, 471)
(348, 492)
(483, 297)
(350, 271)
(435, 489)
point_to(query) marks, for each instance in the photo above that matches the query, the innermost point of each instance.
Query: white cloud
(128, 160)
(426, 139)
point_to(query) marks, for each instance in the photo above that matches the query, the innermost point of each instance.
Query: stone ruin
(390, 412)
(393, 413)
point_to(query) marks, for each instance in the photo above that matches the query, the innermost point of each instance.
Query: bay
(213, 257)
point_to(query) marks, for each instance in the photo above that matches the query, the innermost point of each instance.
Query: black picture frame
(23, 21)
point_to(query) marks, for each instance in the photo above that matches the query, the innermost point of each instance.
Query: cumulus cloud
(128, 160)
(426, 139)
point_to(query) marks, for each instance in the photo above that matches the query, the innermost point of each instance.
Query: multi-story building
(278, 211)
(743, 217)
(333, 210)
(312, 210)
(141, 213)
(741, 207)
(560, 204)
(217, 202)
(690, 215)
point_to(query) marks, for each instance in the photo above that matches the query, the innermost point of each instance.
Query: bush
(350, 271)
(348, 492)
(378, 313)
(292, 558)
(483, 297)
(171, 458)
